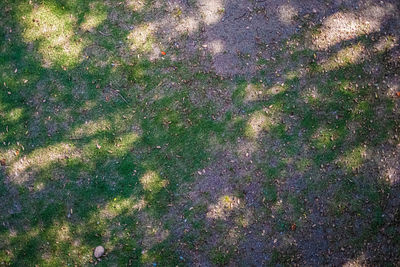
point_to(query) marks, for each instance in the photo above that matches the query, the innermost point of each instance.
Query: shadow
(245, 143)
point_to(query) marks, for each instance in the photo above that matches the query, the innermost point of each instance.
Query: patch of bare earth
(227, 196)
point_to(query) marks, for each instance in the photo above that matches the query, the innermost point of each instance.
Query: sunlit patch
(349, 55)
(141, 37)
(152, 182)
(119, 206)
(393, 175)
(385, 43)
(276, 89)
(343, 26)
(90, 128)
(292, 75)
(39, 186)
(187, 25)
(360, 260)
(15, 114)
(253, 92)
(154, 52)
(216, 46)
(258, 92)
(117, 147)
(135, 5)
(354, 159)
(257, 123)
(41, 158)
(221, 210)
(55, 36)
(126, 141)
(94, 17)
(211, 11)
(287, 13)
(339, 27)
(63, 232)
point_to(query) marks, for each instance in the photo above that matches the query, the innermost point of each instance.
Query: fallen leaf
(398, 93)
(293, 227)
(3, 162)
(16, 152)
(98, 146)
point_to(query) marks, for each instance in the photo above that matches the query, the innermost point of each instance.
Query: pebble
(98, 251)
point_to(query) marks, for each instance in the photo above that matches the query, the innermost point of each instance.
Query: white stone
(98, 251)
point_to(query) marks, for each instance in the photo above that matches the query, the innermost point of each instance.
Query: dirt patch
(227, 197)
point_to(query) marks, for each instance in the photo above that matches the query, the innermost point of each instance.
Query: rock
(98, 251)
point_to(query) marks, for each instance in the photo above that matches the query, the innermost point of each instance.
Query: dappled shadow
(173, 159)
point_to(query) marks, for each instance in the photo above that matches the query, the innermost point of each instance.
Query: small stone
(98, 251)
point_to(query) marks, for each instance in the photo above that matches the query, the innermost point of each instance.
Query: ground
(200, 133)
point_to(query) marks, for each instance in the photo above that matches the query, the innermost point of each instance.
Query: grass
(101, 145)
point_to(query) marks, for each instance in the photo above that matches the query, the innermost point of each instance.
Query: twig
(244, 14)
(123, 98)
(105, 34)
